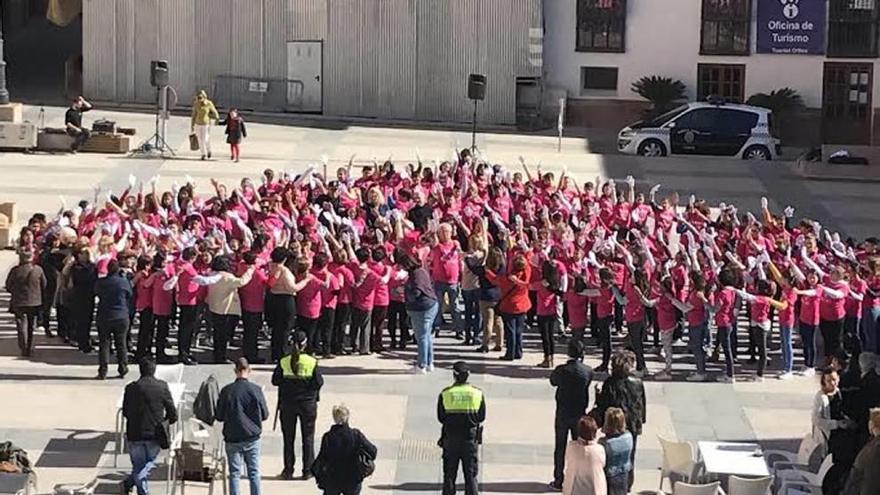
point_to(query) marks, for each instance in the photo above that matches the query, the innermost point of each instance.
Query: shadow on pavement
(494, 487)
(79, 449)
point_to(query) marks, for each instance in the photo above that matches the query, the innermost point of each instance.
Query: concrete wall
(402, 59)
(663, 38)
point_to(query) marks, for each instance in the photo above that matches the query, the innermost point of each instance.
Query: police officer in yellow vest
(461, 408)
(299, 385)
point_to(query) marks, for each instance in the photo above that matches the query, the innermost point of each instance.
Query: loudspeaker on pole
(159, 73)
(477, 87)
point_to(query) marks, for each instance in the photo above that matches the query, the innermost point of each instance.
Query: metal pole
(474, 129)
(4, 94)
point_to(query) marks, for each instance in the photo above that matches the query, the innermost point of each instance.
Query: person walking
(336, 465)
(235, 132)
(242, 409)
(299, 383)
(26, 283)
(421, 306)
(572, 381)
(203, 112)
(461, 409)
(146, 405)
(626, 392)
(114, 302)
(83, 275)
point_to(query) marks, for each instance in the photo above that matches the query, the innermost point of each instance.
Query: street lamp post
(4, 94)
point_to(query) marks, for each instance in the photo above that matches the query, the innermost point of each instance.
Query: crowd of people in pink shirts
(393, 254)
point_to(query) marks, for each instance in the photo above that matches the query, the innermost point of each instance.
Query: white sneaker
(696, 377)
(41, 328)
(808, 372)
(678, 343)
(758, 379)
(663, 376)
(725, 379)
(430, 368)
(786, 376)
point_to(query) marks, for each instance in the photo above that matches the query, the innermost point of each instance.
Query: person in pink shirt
(444, 262)
(143, 301)
(329, 300)
(760, 318)
(342, 316)
(398, 319)
(870, 330)
(308, 302)
(253, 300)
(697, 315)
(381, 298)
(186, 295)
(725, 320)
(162, 303)
(363, 295)
(549, 290)
(635, 300)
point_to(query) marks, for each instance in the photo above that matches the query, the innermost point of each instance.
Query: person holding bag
(148, 408)
(346, 457)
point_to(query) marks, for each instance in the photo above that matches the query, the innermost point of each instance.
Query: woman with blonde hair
(470, 287)
(618, 445)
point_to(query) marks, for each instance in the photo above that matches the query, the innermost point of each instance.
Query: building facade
(826, 50)
(390, 59)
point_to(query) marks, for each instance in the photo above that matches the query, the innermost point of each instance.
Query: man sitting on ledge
(73, 122)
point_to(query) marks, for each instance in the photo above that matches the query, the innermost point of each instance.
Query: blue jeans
(696, 340)
(143, 456)
(870, 329)
(472, 323)
(421, 322)
(807, 333)
(513, 334)
(443, 290)
(787, 351)
(250, 453)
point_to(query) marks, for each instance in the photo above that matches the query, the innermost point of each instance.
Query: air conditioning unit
(19, 136)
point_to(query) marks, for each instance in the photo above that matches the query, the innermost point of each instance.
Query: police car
(704, 128)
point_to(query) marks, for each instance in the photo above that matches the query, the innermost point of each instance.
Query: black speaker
(159, 73)
(477, 87)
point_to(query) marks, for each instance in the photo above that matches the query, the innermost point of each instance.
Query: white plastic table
(725, 458)
(177, 390)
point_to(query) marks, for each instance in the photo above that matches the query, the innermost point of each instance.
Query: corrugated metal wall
(404, 59)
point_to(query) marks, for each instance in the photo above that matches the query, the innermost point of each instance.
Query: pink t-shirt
(187, 290)
(853, 306)
(347, 282)
(786, 316)
(605, 303)
(760, 309)
(831, 309)
(162, 298)
(308, 300)
(809, 314)
(363, 296)
(697, 315)
(253, 295)
(577, 309)
(634, 311)
(666, 315)
(329, 296)
(726, 301)
(445, 262)
(382, 296)
(144, 297)
(546, 302)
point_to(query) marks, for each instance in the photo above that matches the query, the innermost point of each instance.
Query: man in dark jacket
(242, 409)
(114, 300)
(145, 405)
(299, 383)
(26, 283)
(572, 381)
(337, 472)
(84, 274)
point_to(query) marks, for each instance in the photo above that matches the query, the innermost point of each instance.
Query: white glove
(325, 159)
(691, 200)
(788, 212)
(654, 189)
(764, 203)
(132, 180)
(630, 181)
(190, 181)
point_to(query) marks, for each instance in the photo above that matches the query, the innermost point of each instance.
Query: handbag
(193, 142)
(364, 462)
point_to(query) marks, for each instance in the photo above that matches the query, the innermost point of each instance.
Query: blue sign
(791, 26)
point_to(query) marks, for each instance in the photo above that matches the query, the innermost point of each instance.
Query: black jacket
(627, 393)
(572, 381)
(295, 391)
(339, 449)
(145, 404)
(242, 409)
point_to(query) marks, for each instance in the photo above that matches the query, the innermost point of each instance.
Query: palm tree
(663, 92)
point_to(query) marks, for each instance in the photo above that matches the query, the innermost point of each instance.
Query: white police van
(704, 128)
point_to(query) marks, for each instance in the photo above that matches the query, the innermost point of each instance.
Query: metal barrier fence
(258, 94)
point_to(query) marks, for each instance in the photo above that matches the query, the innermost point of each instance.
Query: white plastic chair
(803, 479)
(681, 488)
(749, 486)
(209, 437)
(782, 459)
(678, 458)
(170, 373)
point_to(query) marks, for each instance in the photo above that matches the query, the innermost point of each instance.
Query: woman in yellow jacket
(203, 112)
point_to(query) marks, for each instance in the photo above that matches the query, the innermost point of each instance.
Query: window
(737, 122)
(724, 80)
(725, 28)
(852, 28)
(599, 78)
(701, 119)
(601, 25)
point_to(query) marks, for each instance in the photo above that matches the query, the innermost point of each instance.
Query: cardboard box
(11, 112)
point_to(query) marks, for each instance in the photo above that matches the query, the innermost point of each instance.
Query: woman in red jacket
(514, 303)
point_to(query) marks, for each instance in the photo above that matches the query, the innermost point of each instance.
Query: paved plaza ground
(52, 407)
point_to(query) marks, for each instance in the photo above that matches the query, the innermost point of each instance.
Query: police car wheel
(756, 152)
(652, 147)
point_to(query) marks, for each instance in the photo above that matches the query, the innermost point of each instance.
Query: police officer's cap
(298, 338)
(461, 368)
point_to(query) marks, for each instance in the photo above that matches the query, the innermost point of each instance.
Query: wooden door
(846, 103)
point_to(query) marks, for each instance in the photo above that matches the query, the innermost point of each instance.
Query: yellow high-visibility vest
(462, 399)
(305, 367)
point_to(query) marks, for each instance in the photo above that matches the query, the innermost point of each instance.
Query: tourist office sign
(791, 26)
